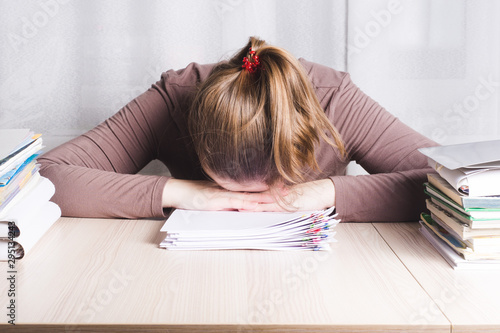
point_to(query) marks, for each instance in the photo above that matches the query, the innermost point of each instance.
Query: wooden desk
(91, 275)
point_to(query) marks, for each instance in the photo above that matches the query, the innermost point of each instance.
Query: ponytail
(263, 124)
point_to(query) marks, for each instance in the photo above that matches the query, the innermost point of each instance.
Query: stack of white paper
(209, 230)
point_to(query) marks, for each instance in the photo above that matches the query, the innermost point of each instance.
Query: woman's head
(262, 126)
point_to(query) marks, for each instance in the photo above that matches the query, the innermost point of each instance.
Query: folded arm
(387, 149)
(94, 174)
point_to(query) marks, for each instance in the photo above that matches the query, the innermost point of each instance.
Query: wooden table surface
(88, 275)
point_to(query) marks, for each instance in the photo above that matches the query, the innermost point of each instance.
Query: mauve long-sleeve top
(95, 173)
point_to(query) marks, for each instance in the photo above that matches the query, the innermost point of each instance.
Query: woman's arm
(313, 195)
(94, 174)
(379, 142)
(387, 149)
(208, 195)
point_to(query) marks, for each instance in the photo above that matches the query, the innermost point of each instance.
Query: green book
(474, 213)
(460, 228)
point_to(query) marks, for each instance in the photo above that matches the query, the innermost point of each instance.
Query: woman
(260, 132)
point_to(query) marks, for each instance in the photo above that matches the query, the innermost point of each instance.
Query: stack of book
(464, 204)
(223, 230)
(25, 210)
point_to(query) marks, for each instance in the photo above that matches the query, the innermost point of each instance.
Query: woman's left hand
(315, 195)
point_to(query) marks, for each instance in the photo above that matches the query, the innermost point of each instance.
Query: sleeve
(94, 174)
(387, 149)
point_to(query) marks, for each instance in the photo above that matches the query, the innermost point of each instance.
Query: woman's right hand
(207, 195)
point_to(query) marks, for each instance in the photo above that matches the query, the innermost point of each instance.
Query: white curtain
(66, 65)
(434, 64)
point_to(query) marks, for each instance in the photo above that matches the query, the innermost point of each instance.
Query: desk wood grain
(109, 275)
(469, 299)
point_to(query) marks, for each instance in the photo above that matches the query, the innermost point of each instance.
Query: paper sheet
(203, 230)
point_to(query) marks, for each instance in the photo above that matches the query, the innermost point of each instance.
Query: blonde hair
(261, 126)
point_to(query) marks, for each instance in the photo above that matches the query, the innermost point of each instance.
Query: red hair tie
(251, 66)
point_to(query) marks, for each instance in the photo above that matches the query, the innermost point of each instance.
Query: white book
(29, 200)
(38, 224)
(471, 168)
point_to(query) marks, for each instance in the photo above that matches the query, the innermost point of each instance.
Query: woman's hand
(315, 195)
(206, 195)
